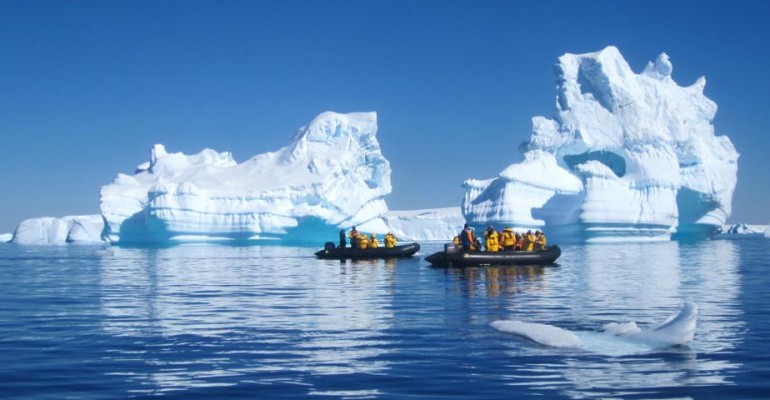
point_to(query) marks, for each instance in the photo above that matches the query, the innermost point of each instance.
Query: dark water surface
(273, 322)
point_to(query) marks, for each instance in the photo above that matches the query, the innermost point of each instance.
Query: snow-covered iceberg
(48, 230)
(626, 156)
(331, 175)
(6, 237)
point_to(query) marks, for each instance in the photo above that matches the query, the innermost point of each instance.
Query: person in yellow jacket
(363, 241)
(528, 242)
(540, 240)
(373, 243)
(487, 233)
(492, 243)
(508, 239)
(390, 240)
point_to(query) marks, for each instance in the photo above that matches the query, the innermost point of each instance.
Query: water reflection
(493, 281)
(226, 311)
(597, 284)
(204, 316)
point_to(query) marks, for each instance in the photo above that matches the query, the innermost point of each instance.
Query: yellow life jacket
(492, 243)
(529, 242)
(508, 238)
(390, 241)
(363, 242)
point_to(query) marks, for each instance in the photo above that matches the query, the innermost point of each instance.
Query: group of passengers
(360, 240)
(505, 240)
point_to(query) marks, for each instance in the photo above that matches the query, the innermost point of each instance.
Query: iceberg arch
(625, 156)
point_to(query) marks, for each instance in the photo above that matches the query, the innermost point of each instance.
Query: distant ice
(51, 231)
(425, 225)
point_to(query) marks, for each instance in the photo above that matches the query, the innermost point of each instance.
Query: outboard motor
(329, 246)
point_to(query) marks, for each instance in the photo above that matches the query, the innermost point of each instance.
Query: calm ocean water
(260, 322)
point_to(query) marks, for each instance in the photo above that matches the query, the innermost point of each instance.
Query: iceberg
(626, 156)
(331, 175)
(82, 229)
(6, 237)
(615, 339)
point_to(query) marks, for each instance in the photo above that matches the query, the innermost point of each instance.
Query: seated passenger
(373, 243)
(540, 240)
(528, 244)
(519, 242)
(363, 241)
(492, 244)
(508, 239)
(390, 240)
(468, 239)
(456, 242)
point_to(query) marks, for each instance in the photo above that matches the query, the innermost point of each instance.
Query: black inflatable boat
(451, 256)
(348, 253)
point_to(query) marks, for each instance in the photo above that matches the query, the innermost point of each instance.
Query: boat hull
(453, 257)
(335, 253)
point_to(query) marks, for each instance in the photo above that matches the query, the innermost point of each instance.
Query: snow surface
(52, 231)
(743, 231)
(626, 156)
(331, 175)
(616, 339)
(6, 237)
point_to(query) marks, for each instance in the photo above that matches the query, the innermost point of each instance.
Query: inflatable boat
(452, 256)
(330, 251)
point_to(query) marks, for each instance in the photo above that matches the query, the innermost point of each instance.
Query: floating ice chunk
(547, 335)
(616, 339)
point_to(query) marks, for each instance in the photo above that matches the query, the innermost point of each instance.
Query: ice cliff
(626, 156)
(331, 175)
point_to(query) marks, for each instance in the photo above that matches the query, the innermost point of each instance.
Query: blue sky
(86, 88)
